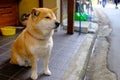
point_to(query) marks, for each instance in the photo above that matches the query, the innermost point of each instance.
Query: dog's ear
(54, 9)
(35, 12)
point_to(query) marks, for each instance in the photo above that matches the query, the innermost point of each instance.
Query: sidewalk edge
(78, 65)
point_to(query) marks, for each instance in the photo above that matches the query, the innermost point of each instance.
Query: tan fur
(35, 41)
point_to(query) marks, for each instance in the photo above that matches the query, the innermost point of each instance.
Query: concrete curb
(78, 65)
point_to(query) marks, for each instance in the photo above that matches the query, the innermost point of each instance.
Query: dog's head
(42, 20)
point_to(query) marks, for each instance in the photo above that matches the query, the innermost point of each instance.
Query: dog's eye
(47, 17)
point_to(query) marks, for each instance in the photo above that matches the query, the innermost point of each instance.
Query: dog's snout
(57, 24)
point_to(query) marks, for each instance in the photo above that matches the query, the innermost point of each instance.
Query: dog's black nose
(57, 24)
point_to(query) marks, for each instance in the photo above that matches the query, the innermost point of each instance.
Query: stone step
(85, 26)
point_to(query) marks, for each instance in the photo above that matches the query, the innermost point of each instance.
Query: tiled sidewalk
(65, 47)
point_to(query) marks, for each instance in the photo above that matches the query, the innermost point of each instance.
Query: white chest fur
(41, 49)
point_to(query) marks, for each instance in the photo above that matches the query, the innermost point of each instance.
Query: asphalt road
(114, 52)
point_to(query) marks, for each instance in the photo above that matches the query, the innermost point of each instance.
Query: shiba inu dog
(35, 41)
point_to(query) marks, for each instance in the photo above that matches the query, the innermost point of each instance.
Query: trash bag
(82, 16)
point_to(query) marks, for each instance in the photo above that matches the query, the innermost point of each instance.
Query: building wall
(64, 8)
(25, 6)
(51, 4)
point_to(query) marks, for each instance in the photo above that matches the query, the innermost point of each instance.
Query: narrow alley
(114, 56)
(104, 63)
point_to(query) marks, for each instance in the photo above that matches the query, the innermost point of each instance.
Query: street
(113, 55)
(105, 59)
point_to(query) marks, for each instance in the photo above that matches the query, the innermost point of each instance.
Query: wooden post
(61, 12)
(70, 13)
(40, 3)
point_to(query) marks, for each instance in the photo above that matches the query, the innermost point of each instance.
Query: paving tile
(2, 38)
(59, 61)
(56, 75)
(4, 60)
(2, 43)
(3, 77)
(4, 57)
(8, 46)
(6, 43)
(54, 52)
(40, 66)
(9, 70)
(66, 53)
(2, 50)
(56, 48)
(23, 74)
(64, 48)
(47, 78)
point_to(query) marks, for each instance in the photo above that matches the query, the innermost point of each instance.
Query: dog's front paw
(34, 76)
(47, 72)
